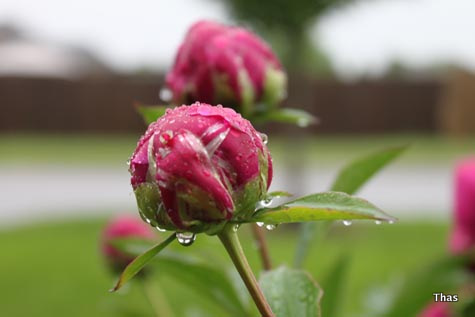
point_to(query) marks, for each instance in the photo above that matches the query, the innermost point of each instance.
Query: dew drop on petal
(264, 138)
(185, 238)
(347, 222)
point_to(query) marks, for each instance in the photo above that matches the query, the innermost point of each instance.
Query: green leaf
(334, 287)
(207, 280)
(287, 115)
(322, 206)
(358, 172)
(139, 262)
(291, 293)
(350, 179)
(151, 113)
(444, 275)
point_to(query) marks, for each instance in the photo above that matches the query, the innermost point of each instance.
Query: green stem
(232, 245)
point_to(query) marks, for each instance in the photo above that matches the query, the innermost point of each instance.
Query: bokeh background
(376, 73)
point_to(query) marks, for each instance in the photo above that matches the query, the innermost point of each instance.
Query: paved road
(47, 192)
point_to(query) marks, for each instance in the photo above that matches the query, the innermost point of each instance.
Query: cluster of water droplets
(348, 223)
(265, 203)
(268, 226)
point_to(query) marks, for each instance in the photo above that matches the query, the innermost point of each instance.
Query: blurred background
(375, 72)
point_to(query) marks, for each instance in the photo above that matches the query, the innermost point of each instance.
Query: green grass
(55, 269)
(115, 149)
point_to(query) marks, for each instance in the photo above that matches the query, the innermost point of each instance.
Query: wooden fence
(106, 105)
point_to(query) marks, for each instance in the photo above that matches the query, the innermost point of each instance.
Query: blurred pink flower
(220, 64)
(437, 309)
(463, 234)
(197, 165)
(122, 227)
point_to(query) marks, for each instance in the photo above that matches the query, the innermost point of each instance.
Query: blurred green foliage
(55, 269)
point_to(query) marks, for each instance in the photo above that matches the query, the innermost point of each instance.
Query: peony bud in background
(199, 166)
(122, 227)
(220, 64)
(463, 234)
(436, 309)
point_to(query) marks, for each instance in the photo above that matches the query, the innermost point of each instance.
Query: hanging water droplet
(264, 138)
(236, 227)
(165, 94)
(260, 224)
(271, 227)
(378, 222)
(185, 238)
(347, 222)
(160, 229)
(391, 222)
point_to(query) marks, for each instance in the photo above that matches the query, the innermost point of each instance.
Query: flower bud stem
(230, 240)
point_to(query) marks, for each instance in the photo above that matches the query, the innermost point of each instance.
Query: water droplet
(185, 238)
(236, 227)
(271, 227)
(264, 138)
(391, 222)
(165, 94)
(378, 222)
(263, 203)
(347, 222)
(267, 202)
(160, 229)
(260, 224)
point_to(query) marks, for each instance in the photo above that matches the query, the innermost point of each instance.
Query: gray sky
(362, 38)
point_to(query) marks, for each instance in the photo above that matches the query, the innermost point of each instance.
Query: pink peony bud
(437, 309)
(199, 166)
(220, 64)
(463, 235)
(122, 227)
